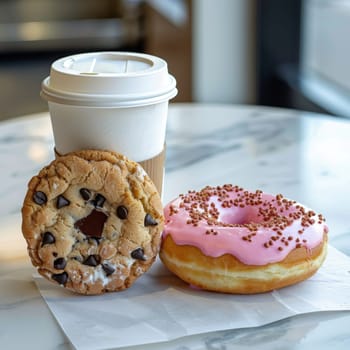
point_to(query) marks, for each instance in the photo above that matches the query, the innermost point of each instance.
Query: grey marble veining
(26, 145)
(304, 156)
(186, 149)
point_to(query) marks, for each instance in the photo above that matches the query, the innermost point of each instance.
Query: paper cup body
(136, 132)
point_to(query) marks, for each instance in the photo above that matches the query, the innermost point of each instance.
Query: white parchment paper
(159, 307)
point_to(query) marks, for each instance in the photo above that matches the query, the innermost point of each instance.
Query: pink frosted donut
(231, 240)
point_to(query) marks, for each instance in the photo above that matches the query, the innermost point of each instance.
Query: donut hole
(240, 216)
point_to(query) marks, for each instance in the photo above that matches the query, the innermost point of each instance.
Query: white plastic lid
(109, 79)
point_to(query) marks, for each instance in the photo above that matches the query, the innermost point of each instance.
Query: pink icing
(256, 227)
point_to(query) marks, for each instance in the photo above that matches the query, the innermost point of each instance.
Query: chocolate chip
(54, 254)
(39, 197)
(122, 212)
(99, 200)
(62, 202)
(92, 225)
(149, 221)
(85, 193)
(48, 238)
(60, 278)
(92, 260)
(138, 254)
(108, 269)
(59, 263)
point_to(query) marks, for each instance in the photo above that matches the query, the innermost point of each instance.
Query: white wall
(326, 40)
(224, 51)
(325, 54)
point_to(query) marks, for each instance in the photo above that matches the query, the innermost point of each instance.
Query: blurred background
(290, 53)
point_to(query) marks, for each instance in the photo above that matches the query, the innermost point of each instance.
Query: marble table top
(302, 155)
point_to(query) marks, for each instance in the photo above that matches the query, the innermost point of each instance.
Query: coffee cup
(113, 101)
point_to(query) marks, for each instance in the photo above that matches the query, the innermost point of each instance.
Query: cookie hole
(94, 240)
(77, 258)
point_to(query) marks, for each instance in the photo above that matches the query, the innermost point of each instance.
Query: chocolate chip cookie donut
(92, 221)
